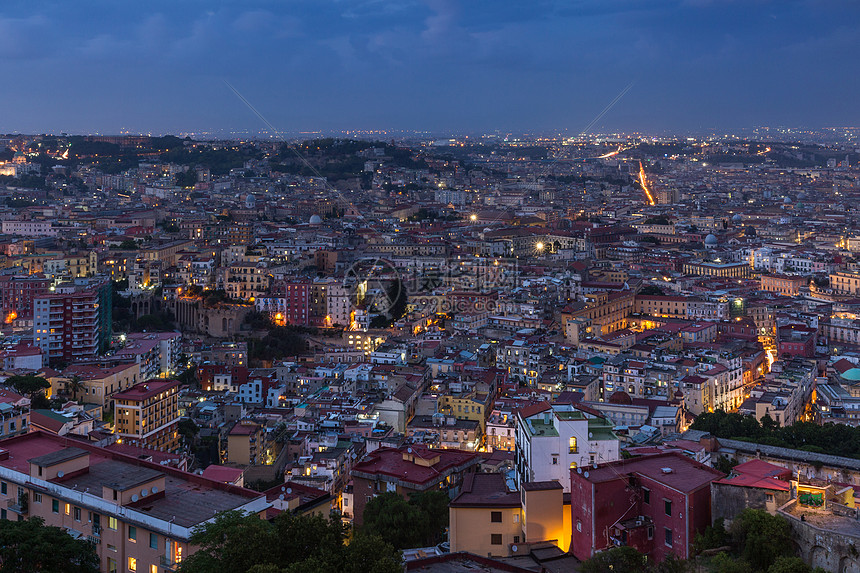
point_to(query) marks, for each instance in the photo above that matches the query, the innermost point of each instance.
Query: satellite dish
(514, 548)
(154, 489)
(281, 497)
(586, 474)
(289, 490)
(283, 488)
(61, 473)
(590, 435)
(134, 498)
(579, 470)
(144, 492)
(409, 450)
(594, 465)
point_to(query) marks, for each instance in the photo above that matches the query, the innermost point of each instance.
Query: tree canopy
(28, 385)
(30, 545)
(419, 522)
(835, 439)
(237, 543)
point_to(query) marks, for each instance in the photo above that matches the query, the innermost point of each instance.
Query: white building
(553, 439)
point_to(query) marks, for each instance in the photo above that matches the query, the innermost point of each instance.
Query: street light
(539, 246)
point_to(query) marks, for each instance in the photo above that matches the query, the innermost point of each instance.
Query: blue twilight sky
(440, 65)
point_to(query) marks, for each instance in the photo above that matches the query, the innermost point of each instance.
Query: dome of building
(711, 239)
(620, 397)
(787, 200)
(737, 218)
(315, 220)
(851, 375)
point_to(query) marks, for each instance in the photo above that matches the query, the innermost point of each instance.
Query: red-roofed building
(406, 470)
(755, 484)
(655, 504)
(147, 415)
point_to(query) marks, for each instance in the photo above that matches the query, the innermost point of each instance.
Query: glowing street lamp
(539, 246)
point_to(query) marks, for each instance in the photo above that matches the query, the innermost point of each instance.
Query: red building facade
(655, 504)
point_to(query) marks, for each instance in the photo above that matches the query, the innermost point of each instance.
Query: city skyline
(436, 66)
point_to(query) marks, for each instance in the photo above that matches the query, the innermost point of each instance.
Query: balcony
(21, 505)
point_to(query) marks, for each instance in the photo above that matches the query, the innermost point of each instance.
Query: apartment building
(147, 415)
(666, 502)
(554, 438)
(17, 293)
(787, 285)
(156, 352)
(139, 515)
(74, 321)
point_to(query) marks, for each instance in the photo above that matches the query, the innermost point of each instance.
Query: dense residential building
(147, 415)
(73, 321)
(138, 514)
(669, 503)
(553, 439)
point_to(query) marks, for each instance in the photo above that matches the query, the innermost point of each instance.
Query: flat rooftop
(188, 499)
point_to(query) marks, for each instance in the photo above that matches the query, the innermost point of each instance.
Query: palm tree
(74, 385)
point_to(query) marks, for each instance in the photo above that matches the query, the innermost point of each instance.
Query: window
(554, 461)
(132, 534)
(496, 516)
(573, 448)
(153, 569)
(646, 495)
(112, 523)
(650, 532)
(3, 487)
(153, 541)
(667, 506)
(573, 465)
(668, 537)
(111, 566)
(578, 525)
(132, 564)
(68, 508)
(37, 497)
(77, 514)
(55, 506)
(768, 497)
(496, 539)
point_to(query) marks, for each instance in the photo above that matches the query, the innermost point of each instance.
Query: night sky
(438, 65)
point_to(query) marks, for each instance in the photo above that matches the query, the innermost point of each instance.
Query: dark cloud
(434, 64)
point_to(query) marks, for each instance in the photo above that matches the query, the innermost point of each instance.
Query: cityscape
(479, 317)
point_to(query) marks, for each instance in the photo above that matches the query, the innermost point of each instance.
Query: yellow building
(485, 517)
(604, 312)
(147, 415)
(245, 443)
(488, 519)
(94, 384)
(466, 406)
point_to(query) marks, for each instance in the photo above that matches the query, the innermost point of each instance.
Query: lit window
(132, 564)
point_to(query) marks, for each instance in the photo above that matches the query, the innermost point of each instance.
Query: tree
(762, 537)
(714, 535)
(622, 559)
(30, 545)
(239, 543)
(433, 505)
(651, 290)
(74, 385)
(791, 565)
(393, 518)
(128, 245)
(28, 385)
